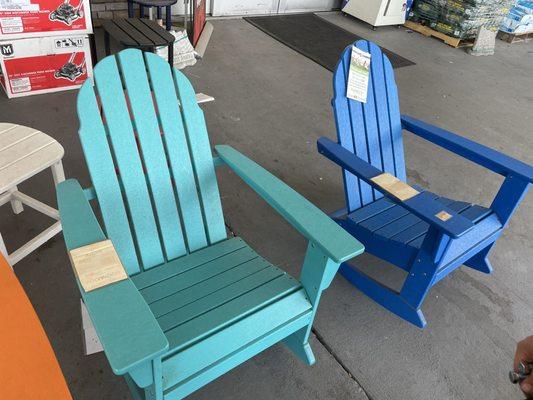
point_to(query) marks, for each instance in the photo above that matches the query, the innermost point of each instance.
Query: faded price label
(97, 265)
(358, 75)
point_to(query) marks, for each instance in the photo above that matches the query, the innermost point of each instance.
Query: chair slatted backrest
(371, 130)
(146, 146)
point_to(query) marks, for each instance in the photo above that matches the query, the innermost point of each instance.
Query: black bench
(139, 33)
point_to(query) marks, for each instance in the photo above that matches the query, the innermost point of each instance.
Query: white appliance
(377, 12)
(245, 7)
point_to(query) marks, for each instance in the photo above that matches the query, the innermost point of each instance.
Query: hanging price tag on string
(358, 75)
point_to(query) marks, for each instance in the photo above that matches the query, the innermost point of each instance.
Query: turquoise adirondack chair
(196, 303)
(425, 234)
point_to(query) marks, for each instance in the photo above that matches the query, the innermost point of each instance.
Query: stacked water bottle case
(520, 19)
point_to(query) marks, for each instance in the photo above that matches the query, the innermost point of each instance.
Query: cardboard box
(44, 65)
(37, 18)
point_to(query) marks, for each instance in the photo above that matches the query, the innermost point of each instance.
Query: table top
(28, 366)
(155, 3)
(25, 152)
(138, 32)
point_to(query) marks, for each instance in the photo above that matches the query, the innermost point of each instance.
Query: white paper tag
(358, 75)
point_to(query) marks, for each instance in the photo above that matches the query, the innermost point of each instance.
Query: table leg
(171, 54)
(141, 10)
(168, 18)
(3, 249)
(57, 172)
(106, 43)
(92, 42)
(16, 205)
(159, 17)
(130, 9)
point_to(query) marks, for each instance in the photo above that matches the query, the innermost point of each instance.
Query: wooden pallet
(449, 40)
(515, 37)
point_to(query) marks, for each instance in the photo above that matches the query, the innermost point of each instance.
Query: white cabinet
(244, 7)
(307, 5)
(377, 12)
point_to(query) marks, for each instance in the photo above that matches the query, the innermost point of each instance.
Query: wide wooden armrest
(475, 152)
(126, 327)
(421, 204)
(311, 222)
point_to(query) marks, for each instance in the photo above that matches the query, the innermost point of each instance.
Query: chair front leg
(424, 268)
(318, 271)
(155, 390)
(508, 198)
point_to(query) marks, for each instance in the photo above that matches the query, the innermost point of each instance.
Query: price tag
(358, 75)
(443, 216)
(97, 265)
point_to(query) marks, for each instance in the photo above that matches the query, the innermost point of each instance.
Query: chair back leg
(384, 296)
(298, 343)
(406, 304)
(130, 9)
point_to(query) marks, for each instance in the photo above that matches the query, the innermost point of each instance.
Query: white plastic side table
(24, 152)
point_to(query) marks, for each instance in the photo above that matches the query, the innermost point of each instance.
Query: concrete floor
(272, 104)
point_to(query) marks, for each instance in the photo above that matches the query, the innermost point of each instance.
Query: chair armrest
(422, 205)
(311, 222)
(475, 152)
(126, 327)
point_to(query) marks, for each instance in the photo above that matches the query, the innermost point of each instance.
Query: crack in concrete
(338, 360)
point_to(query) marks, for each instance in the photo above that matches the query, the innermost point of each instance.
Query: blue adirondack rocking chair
(425, 234)
(196, 303)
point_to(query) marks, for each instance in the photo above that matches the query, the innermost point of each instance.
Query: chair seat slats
(206, 287)
(393, 222)
(371, 209)
(207, 323)
(182, 264)
(204, 271)
(394, 227)
(222, 296)
(228, 346)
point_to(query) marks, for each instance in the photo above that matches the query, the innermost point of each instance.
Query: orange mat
(28, 366)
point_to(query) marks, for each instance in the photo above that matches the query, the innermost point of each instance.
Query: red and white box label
(43, 65)
(32, 18)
